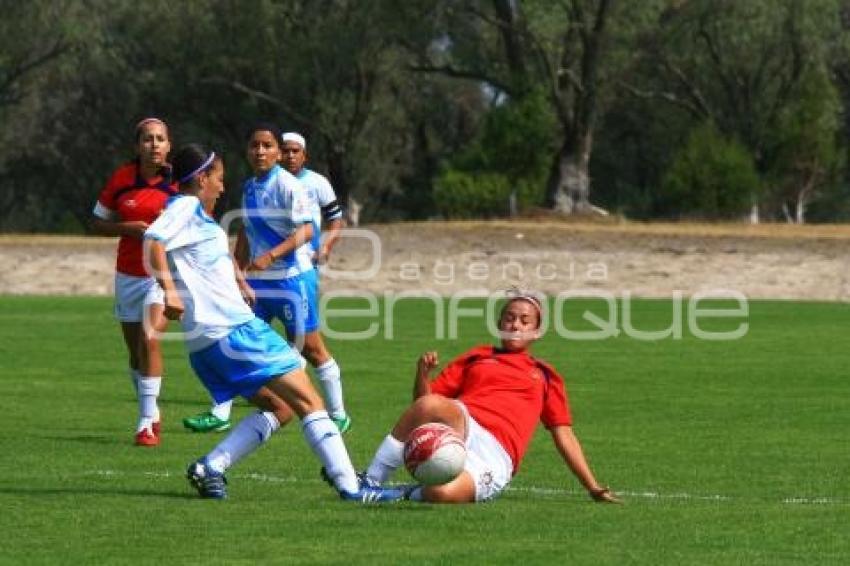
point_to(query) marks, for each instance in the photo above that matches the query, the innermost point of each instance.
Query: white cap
(294, 137)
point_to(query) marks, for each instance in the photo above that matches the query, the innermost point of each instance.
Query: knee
(430, 407)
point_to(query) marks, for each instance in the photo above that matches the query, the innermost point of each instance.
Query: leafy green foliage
(806, 153)
(711, 177)
(458, 194)
(510, 155)
(391, 95)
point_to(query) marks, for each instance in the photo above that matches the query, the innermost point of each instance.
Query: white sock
(251, 432)
(329, 378)
(388, 458)
(135, 376)
(222, 410)
(323, 437)
(148, 394)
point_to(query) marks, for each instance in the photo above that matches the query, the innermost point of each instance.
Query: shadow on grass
(110, 440)
(76, 491)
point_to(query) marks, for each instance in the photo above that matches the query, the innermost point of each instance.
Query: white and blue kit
(274, 206)
(323, 203)
(231, 350)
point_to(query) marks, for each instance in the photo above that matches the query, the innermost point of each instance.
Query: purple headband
(200, 168)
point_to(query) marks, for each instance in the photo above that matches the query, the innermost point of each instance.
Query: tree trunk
(568, 187)
(800, 212)
(754, 213)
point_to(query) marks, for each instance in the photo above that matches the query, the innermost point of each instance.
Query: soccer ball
(434, 454)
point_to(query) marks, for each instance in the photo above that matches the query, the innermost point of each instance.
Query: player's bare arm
(155, 257)
(427, 363)
(301, 235)
(331, 237)
(247, 291)
(132, 228)
(570, 449)
(241, 251)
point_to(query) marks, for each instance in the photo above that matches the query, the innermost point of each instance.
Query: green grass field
(724, 452)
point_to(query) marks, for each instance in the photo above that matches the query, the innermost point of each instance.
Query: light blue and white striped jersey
(274, 205)
(321, 195)
(203, 271)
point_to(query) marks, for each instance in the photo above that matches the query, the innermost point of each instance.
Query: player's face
(153, 145)
(211, 183)
(294, 157)
(519, 325)
(263, 151)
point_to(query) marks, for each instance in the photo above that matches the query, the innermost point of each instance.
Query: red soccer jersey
(127, 197)
(506, 393)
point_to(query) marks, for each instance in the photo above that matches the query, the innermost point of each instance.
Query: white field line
(544, 491)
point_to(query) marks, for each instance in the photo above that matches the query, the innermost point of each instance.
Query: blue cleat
(375, 494)
(209, 483)
(369, 491)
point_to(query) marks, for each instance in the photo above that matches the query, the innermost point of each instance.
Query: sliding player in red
(493, 397)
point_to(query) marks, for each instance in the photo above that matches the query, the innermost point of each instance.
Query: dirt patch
(648, 260)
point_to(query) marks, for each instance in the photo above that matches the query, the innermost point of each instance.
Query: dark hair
(190, 160)
(265, 127)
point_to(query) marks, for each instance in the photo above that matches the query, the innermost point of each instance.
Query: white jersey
(203, 271)
(275, 205)
(322, 202)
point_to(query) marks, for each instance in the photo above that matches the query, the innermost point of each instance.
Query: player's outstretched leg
(207, 474)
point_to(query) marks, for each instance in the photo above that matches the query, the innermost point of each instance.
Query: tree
(515, 48)
(710, 177)
(23, 65)
(806, 155)
(740, 65)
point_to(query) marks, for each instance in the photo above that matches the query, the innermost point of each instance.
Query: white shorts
(486, 460)
(133, 295)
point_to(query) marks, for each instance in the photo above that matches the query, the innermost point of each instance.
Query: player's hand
(173, 306)
(321, 257)
(248, 293)
(603, 495)
(261, 263)
(427, 362)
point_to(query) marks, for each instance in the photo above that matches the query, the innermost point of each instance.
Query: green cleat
(342, 423)
(206, 422)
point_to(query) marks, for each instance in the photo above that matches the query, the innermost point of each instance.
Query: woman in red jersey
(493, 397)
(132, 199)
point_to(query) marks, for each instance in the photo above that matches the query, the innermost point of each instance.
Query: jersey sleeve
(169, 228)
(326, 197)
(556, 406)
(449, 382)
(300, 199)
(106, 208)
